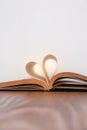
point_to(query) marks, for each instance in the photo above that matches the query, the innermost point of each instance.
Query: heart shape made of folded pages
(44, 72)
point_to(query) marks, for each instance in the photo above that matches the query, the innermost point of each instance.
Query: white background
(30, 29)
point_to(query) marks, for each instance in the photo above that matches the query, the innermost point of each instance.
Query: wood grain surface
(43, 110)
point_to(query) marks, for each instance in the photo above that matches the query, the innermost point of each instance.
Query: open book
(46, 78)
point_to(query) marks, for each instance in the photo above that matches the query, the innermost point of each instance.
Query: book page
(74, 81)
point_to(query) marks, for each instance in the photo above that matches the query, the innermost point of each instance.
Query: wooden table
(43, 110)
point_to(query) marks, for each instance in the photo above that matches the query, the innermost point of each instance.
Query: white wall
(30, 29)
